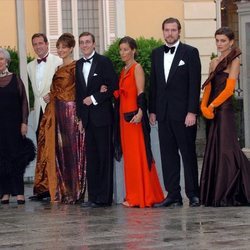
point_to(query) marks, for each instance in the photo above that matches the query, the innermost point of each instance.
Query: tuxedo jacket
(50, 67)
(181, 93)
(101, 73)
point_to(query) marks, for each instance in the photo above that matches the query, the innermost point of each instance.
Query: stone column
(21, 34)
(244, 42)
(218, 13)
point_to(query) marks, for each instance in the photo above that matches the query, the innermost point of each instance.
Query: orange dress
(142, 185)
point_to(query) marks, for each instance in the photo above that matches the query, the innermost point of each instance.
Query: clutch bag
(129, 115)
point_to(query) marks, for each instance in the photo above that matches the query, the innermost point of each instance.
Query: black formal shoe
(20, 202)
(194, 202)
(169, 202)
(86, 204)
(40, 197)
(96, 205)
(5, 202)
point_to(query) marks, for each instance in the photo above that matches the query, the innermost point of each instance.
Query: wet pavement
(41, 225)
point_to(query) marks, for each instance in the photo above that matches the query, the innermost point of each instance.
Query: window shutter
(112, 21)
(53, 22)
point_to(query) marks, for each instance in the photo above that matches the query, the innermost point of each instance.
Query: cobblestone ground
(40, 225)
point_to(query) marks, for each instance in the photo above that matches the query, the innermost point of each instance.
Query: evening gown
(16, 151)
(61, 148)
(141, 183)
(225, 176)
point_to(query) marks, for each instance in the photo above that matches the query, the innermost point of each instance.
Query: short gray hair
(6, 55)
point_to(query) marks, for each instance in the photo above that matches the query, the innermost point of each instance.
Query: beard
(171, 40)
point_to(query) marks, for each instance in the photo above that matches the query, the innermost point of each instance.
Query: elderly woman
(16, 151)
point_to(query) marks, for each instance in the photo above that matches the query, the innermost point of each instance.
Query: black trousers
(175, 137)
(39, 121)
(99, 153)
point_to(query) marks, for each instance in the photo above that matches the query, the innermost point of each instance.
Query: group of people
(77, 134)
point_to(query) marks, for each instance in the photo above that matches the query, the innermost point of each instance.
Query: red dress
(142, 185)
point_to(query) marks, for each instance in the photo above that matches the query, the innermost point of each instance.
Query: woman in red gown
(141, 181)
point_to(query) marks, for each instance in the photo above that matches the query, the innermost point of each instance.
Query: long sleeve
(194, 70)
(24, 101)
(110, 80)
(152, 87)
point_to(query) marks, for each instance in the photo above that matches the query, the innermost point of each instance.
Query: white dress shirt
(168, 59)
(39, 74)
(85, 70)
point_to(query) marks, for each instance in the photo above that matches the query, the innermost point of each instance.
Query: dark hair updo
(66, 39)
(225, 31)
(130, 41)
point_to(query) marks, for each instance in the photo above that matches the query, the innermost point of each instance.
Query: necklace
(126, 67)
(4, 73)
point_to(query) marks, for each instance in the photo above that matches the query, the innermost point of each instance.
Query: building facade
(109, 19)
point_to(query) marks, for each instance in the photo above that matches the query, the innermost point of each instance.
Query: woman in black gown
(16, 151)
(225, 177)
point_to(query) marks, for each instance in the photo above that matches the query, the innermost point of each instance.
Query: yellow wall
(8, 23)
(145, 17)
(32, 22)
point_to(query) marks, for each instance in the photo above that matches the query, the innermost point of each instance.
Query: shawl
(235, 52)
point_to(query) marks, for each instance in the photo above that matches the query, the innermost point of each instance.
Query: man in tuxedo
(40, 72)
(95, 110)
(174, 103)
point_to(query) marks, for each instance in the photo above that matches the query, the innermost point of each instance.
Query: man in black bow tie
(95, 110)
(174, 103)
(40, 72)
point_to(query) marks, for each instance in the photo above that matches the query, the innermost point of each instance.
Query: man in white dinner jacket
(41, 72)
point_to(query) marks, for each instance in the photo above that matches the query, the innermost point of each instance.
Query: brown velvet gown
(225, 176)
(61, 151)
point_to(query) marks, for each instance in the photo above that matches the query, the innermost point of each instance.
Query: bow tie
(44, 59)
(166, 49)
(87, 60)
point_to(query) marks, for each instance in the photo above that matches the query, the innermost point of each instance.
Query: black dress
(225, 176)
(14, 156)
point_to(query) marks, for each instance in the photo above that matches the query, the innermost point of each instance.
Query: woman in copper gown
(16, 151)
(141, 181)
(225, 177)
(61, 147)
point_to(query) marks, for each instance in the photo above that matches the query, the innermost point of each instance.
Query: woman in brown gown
(225, 176)
(141, 180)
(61, 141)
